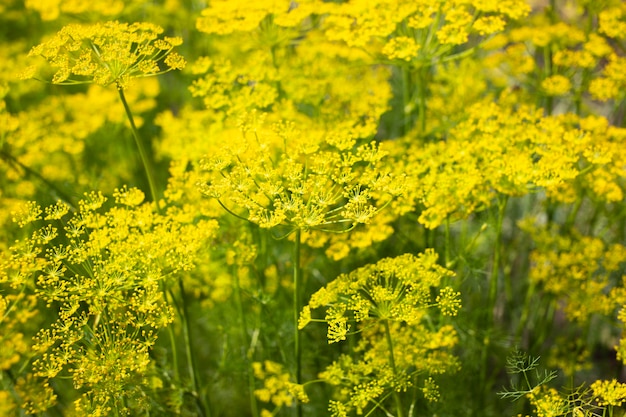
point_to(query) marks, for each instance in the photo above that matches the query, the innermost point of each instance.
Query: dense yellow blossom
(579, 269)
(109, 265)
(277, 387)
(396, 125)
(108, 53)
(279, 176)
(611, 393)
(396, 289)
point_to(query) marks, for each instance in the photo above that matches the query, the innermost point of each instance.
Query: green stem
(297, 283)
(447, 242)
(142, 150)
(422, 98)
(521, 325)
(172, 338)
(191, 362)
(493, 293)
(547, 58)
(392, 363)
(246, 341)
(495, 266)
(407, 100)
(571, 217)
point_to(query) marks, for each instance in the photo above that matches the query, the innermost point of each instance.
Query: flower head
(107, 53)
(396, 289)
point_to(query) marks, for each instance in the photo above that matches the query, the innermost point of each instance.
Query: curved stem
(142, 151)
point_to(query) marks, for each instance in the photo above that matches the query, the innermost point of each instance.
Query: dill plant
(285, 181)
(436, 182)
(111, 53)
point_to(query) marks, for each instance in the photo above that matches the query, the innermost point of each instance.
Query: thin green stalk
(191, 362)
(246, 340)
(142, 151)
(421, 81)
(172, 338)
(407, 105)
(392, 363)
(297, 283)
(171, 335)
(493, 293)
(545, 316)
(521, 325)
(447, 242)
(495, 266)
(573, 214)
(547, 59)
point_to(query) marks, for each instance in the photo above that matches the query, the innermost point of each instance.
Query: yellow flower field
(313, 208)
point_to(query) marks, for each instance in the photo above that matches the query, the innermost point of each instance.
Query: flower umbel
(395, 289)
(107, 53)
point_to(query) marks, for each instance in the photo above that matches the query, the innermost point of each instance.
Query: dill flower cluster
(468, 170)
(345, 134)
(432, 25)
(277, 387)
(281, 176)
(582, 271)
(103, 273)
(389, 304)
(108, 53)
(394, 289)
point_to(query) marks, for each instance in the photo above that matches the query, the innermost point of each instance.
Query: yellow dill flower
(396, 289)
(103, 271)
(597, 45)
(7, 403)
(559, 34)
(488, 25)
(612, 22)
(577, 269)
(556, 85)
(518, 59)
(431, 390)
(365, 379)
(52, 9)
(36, 395)
(547, 402)
(609, 393)
(567, 58)
(109, 53)
(457, 26)
(402, 48)
(282, 178)
(28, 213)
(277, 386)
(609, 85)
(56, 211)
(604, 89)
(448, 301)
(225, 16)
(458, 176)
(129, 197)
